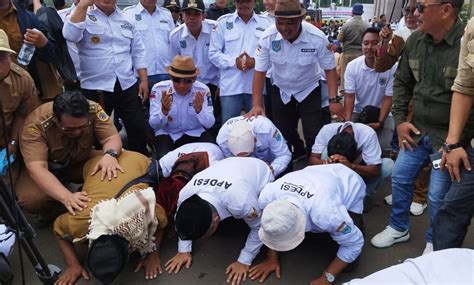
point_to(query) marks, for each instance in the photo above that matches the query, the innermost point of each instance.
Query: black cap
(193, 219)
(197, 5)
(171, 4)
(343, 144)
(370, 114)
(107, 257)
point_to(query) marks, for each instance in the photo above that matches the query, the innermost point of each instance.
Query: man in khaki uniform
(73, 229)
(56, 140)
(18, 96)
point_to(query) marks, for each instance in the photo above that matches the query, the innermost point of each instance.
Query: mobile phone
(436, 159)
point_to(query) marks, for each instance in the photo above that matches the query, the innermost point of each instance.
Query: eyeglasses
(182, 80)
(420, 7)
(409, 10)
(72, 129)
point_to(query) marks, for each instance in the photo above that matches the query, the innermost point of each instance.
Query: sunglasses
(182, 80)
(420, 7)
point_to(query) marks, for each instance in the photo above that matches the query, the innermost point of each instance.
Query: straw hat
(183, 67)
(288, 9)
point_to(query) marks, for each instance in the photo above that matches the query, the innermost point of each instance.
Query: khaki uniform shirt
(43, 140)
(9, 23)
(18, 99)
(426, 72)
(351, 34)
(464, 82)
(75, 228)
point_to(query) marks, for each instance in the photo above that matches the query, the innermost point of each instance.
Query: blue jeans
(454, 216)
(404, 173)
(232, 105)
(374, 182)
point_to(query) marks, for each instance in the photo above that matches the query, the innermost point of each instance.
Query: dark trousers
(454, 217)
(285, 117)
(267, 99)
(164, 143)
(216, 103)
(128, 107)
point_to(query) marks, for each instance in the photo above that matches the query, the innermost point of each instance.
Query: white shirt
(369, 86)
(450, 266)
(154, 30)
(272, 21)
(182, 118)
(71, 47)
(109, 48)
(234, 194)
(324, 193)
(270, 146)
(184, 43)
(366, 138)
(167, 162)
(231, 38)
(296, 66)
(403, 33)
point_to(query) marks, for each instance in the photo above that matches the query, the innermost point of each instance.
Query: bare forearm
(142, 74)
(46, 181)
(113, 142)
(460, 107)
(336, 266)
(366, 170)
(385, 108)
(349, 100)
(315, 159)
(331, 78)
(257, 88)
(68, 251)
(79, 14)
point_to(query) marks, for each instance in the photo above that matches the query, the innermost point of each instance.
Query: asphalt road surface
(299, 266)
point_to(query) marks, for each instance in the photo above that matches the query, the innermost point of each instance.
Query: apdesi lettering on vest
(212, 182)
(290, 187)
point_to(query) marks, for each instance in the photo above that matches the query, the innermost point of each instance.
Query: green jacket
(426, 72)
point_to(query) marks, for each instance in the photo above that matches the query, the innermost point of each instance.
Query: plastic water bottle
(26, 53)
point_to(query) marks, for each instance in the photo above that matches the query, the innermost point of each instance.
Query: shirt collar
(235, 16)
(303, 37)
(450, 36)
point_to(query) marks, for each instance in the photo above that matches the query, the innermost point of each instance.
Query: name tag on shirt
(126, 26)
(308, 50)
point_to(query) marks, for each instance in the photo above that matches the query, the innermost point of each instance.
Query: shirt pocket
(127, 33)
(415, 68)
(231, 43)
(95, 29)
(449, 74)
(304, 60)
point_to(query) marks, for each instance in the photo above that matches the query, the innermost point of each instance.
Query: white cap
(241, 138)
(282, 226)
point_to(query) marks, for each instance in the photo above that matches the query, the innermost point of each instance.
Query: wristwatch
(336, 99)
(112, 152)
(329, 277)
(449, 147)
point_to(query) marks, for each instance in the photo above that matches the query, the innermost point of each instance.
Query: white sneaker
(428, 248)
(388, 237)
(416, 209)
(388, 199)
